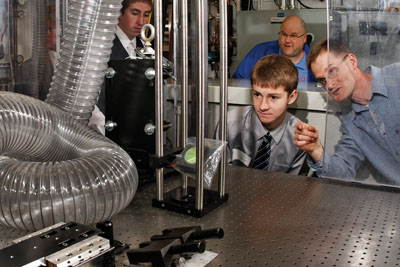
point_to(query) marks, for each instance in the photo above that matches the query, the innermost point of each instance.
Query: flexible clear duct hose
(54, 168)
(39, 49)
(85, 51)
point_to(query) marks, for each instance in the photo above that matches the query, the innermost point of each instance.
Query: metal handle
(143, 36)
(198, 247)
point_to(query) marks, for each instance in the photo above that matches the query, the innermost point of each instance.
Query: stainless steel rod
(202, 82)
(159, 96)
(13, 42)
(175, 57)
(178, 123)
(185, 79)
(283, 5)
(292, 4)
(64, 15)
(223, 103)
(58, 26)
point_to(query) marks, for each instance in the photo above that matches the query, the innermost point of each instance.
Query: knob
(110, 72)
(149, 128)
(150, 73)
(110, 125)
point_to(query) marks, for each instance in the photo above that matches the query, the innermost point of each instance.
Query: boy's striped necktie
(261, 161)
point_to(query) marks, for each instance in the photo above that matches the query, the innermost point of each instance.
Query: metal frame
(159, 96)
(202, 196)
(185, 80)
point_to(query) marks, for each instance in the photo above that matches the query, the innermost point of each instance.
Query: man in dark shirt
(134, 14)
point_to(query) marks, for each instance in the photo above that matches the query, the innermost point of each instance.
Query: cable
(5, 27)
(301, 3)
(5, 30)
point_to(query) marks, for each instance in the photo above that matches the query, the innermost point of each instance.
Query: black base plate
(184, 202)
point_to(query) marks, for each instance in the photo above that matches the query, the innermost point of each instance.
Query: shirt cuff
(317, 167)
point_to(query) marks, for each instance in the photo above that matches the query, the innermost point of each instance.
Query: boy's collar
(276, 133)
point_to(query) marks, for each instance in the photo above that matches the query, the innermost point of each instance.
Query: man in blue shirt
(291, 43)
(370, 128)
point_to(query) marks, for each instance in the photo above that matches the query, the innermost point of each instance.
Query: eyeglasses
(332, 72)
(291, 36)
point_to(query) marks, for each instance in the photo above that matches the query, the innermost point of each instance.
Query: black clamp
(163, 249)
(166, 160)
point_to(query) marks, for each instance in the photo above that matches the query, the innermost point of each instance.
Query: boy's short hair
(127, 3)
(336, 47)
(274, 71)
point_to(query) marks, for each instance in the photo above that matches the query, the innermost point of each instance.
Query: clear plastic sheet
(185, 162)
(371, 32)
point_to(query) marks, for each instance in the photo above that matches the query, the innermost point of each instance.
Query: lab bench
(275, 219)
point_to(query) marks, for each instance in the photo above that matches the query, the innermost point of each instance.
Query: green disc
(190, 155)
